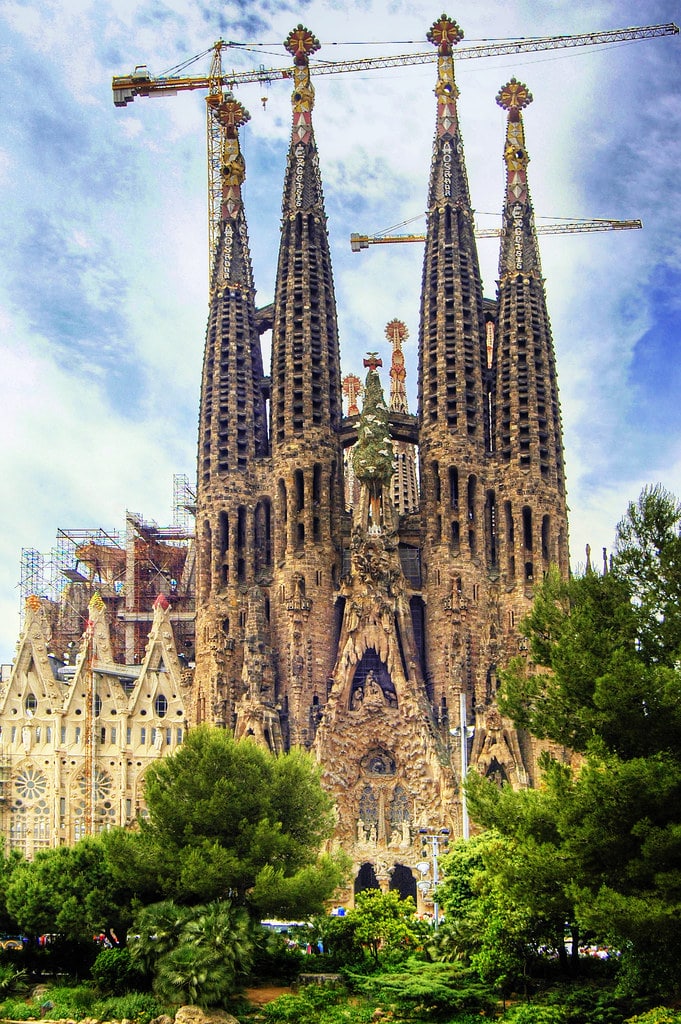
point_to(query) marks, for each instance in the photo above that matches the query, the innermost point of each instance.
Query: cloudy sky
(103, 253)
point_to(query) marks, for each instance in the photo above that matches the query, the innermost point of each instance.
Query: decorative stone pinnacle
(372, 362)
(444, 34)
(396, 332)
(162, 602)
(301, 43)
(352, 388)
(33, 602)
(513, 97)
(232, 114)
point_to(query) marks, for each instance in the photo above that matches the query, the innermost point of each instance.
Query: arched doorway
(366, 878)
(403, 881)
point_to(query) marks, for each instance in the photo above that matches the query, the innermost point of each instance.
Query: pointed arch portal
(366, 878)
(403, 881)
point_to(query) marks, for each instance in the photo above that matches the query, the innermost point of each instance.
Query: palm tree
(200, 954)
(156, 931)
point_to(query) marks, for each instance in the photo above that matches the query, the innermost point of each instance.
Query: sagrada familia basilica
(353, 577)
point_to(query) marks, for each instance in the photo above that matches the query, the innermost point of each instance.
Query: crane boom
(561, 227)
(142, 83)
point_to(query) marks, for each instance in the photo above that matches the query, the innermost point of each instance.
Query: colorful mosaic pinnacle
(301, 43)
(444, 34)
(514, 96)
(232, 114)
(396, 332)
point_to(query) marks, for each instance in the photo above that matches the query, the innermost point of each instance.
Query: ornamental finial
(232, 114)
(396, 332)
(444, 34)
(514, 96)
(301, 43)
(372, 361)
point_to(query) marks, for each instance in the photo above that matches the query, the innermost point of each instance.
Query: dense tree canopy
(67, 890)
(599, 845)
(230, 820)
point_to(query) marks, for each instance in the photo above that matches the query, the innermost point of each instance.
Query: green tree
(8, 862)
(230, 820)
(601, 844)
(495, 920)
(68, 890)
(384, 924)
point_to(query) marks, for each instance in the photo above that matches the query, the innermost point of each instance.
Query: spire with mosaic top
(519, 250)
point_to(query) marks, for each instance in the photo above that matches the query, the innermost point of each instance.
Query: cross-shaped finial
(372, 362)
(301, 43)
(232, 114)
(444, 34)
(514, 96)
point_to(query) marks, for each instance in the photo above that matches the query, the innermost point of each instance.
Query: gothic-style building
(338, 607)
(360, 577)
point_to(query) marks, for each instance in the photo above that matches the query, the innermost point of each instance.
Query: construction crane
(142, 83)
(559, 227)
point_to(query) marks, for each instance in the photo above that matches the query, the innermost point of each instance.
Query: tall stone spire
(452, 387)
(232, 527)
(527, 434)
(306, 392)
(451, 326)
(306, 410)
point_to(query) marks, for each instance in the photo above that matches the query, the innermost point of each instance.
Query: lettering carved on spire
(522, 254)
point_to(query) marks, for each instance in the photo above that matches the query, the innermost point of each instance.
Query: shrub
(12, 979)
(305, 1007)
(138, 1007)
(69, 1002)
(274, 960)
(115, 972)
(535, 1013)
(17, 1009)
(658, 1015)
(431, 991)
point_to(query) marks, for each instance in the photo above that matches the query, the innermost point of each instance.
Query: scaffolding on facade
(184, 502)
(128, 570)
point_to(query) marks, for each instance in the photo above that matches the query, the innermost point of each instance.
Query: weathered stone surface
(195, 1015)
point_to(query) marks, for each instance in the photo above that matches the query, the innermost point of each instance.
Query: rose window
(31, 784)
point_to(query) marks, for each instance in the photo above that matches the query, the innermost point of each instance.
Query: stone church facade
(361, 576)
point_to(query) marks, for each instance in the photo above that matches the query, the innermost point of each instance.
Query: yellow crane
(142, 83)
(558, 227)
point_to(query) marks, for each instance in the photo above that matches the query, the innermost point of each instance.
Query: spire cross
(514, 96)
(301, 43)
(232, 114)
(444, 34)
(372, 362)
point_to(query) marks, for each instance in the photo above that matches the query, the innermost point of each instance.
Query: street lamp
(431, 841)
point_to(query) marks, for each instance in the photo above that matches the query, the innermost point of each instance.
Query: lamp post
(465, 732)
(431, 841)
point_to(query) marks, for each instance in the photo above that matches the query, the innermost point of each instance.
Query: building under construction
(359, 571)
